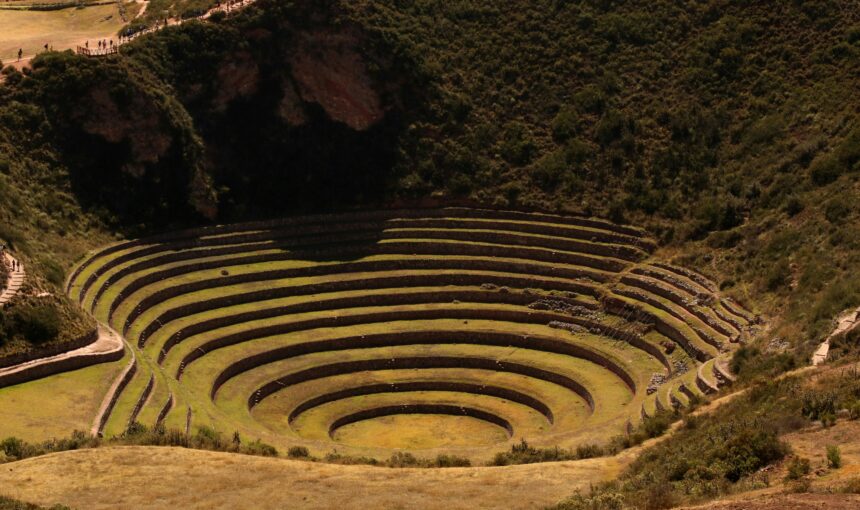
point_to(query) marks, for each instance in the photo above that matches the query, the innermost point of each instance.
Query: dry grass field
(31, 30)
(141, 477)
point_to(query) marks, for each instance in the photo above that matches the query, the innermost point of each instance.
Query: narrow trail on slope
(844, 323)
(15, 279)
(229, 7)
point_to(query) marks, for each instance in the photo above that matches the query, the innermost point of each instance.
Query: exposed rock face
(291, 107)
(328, 70)
(139, 125)
(238, 76)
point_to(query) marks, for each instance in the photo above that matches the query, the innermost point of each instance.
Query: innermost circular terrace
(345, 331)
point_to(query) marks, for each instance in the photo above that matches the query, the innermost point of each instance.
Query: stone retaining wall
(47, 352)
(382, 317)
(123, 383)
(445, 409)
(141, 400)
(470, 280)
(424, 362)
(657, 289)
(373, 300)
(59, 366)
(413, 386)
(628, 235)
(347, 268)
(407, 338)
(662, 326)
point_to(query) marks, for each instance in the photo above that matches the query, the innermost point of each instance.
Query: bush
(797, 468)
(793, 206)
(818, 405)
(524, 453)
(748, 451)
(565, 125)
(12, 504)
(837, 210)
(37, 323)
(444, 461)
(852, 487)
(854, 410)
(298, 452)
(834, 457)
(825, 170)
(659, 497)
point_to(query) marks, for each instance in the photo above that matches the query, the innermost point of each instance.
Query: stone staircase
(15, 281)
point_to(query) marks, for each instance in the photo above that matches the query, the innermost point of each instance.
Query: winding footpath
(107, 347)
(227, 8)
(844, 323)
(15, 280)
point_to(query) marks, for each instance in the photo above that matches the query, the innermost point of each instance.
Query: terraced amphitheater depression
(434, 331)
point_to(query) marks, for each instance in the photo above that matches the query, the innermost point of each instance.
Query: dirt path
(15, 280)
(107, 342)
(844, 323)
(25, 60)
(143, 9)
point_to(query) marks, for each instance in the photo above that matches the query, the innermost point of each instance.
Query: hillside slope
(726, 127)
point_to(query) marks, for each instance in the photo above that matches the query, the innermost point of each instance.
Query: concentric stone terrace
(454, 329)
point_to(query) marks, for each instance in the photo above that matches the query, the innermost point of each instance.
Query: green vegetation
(204, 439)
(426, 305)
(631, 121)
(728, 129)
(159, 10)
(522, 111)
(722, 452)
(12, 504)
(834, 457)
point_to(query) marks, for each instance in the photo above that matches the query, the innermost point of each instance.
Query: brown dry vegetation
(178, 478)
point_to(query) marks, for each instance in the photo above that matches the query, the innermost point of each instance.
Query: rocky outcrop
(329, 70)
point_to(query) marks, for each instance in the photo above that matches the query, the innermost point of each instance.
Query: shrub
(749, 362)
(596, 500)
(797, 468)
(565, 125)
(852, 487)
(818, 405)
(590, 98)
(13, 447)
(778, 276)
(260, 449)
(837, 210)
(589, 451)
(825, 170)
(443, 461)
(612, 126)
(659, 497)
(518, 147)
(12, 504)
(793, 206)
(854, 410)
(834, 457)
(38, 323)
(524, 453)
(298, 452)
(748, 451)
